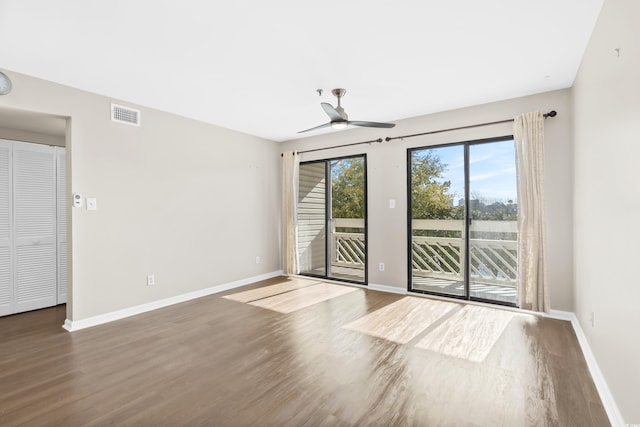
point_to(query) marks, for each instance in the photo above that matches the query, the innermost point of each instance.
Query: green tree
(430, 194)
(430, 197)
(347, 195)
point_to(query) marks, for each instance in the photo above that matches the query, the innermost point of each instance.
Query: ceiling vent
(125, 115)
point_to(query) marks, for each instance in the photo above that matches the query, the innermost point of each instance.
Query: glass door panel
(312, 220)
(437, 220)
(347, 250)
(493, 208)
(332, 212)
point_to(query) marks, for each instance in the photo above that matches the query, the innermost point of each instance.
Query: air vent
(125, 115)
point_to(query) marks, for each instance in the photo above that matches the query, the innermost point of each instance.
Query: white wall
(192, 203)
(387, 180)
(607, 199)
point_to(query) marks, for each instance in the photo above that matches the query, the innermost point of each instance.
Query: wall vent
(125, 115)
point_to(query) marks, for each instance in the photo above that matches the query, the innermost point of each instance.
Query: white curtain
(528, 130)
(290, 168)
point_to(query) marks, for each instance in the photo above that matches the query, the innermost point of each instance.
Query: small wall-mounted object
(5, 84)
(126, 115)
(77, 200)
(92, 204)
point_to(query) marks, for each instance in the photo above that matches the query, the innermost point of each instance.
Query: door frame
(467, 220)
(328, 219)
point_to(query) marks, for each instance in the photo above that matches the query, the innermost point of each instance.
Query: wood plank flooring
(216, 361)
(403, 320)
(302, 298)
(267, 291)
(471, 332)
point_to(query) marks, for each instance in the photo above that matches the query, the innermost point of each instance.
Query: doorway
(33, 211)
(462, 220)
(332, 219)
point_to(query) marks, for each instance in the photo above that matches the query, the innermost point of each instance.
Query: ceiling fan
(340, 119)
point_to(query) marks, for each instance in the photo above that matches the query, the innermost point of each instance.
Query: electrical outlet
(151, 280)
(257, 260)
(592, 319)
(381, 266)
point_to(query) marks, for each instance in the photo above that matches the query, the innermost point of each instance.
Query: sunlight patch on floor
(289, 284)
(301, 298)
(468, 334)
(402, 320)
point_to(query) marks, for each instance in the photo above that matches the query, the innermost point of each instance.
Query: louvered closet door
(61, 174)
(6, 280)
(34, 226)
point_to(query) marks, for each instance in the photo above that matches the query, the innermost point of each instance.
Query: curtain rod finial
(551, 113)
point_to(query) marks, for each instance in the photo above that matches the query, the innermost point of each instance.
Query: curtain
(290, 168)
(528, 130)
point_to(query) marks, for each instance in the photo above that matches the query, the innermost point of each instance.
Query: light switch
(77, 200)
(392, 203)
(92, 204)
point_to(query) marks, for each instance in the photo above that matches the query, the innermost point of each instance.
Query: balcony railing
(348, 247)
(437, 249)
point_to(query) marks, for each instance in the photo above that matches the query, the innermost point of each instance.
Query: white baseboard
(561, 315)
(615, 417)
(75, 325)
(387, 288)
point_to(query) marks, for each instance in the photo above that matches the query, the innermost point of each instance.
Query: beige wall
(607, 199)
(192, 203)
(387, 180)
(27, 136)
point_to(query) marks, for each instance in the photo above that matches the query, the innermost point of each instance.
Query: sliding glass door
(332, 225)
(463, 220)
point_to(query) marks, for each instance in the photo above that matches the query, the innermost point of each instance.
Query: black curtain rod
(551, 113)
(338, 146)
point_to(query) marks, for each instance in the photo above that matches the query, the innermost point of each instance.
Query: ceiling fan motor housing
(339, 93)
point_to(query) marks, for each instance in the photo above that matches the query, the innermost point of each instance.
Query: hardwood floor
(217, 361)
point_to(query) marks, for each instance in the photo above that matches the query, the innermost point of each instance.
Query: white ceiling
(254, 66)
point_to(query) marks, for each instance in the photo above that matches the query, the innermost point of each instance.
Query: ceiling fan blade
(331, 112)
(371, 124)
(326, 125)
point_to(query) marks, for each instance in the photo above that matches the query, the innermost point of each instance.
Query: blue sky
(492, 168)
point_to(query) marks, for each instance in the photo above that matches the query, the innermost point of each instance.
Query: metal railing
(437, 249)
